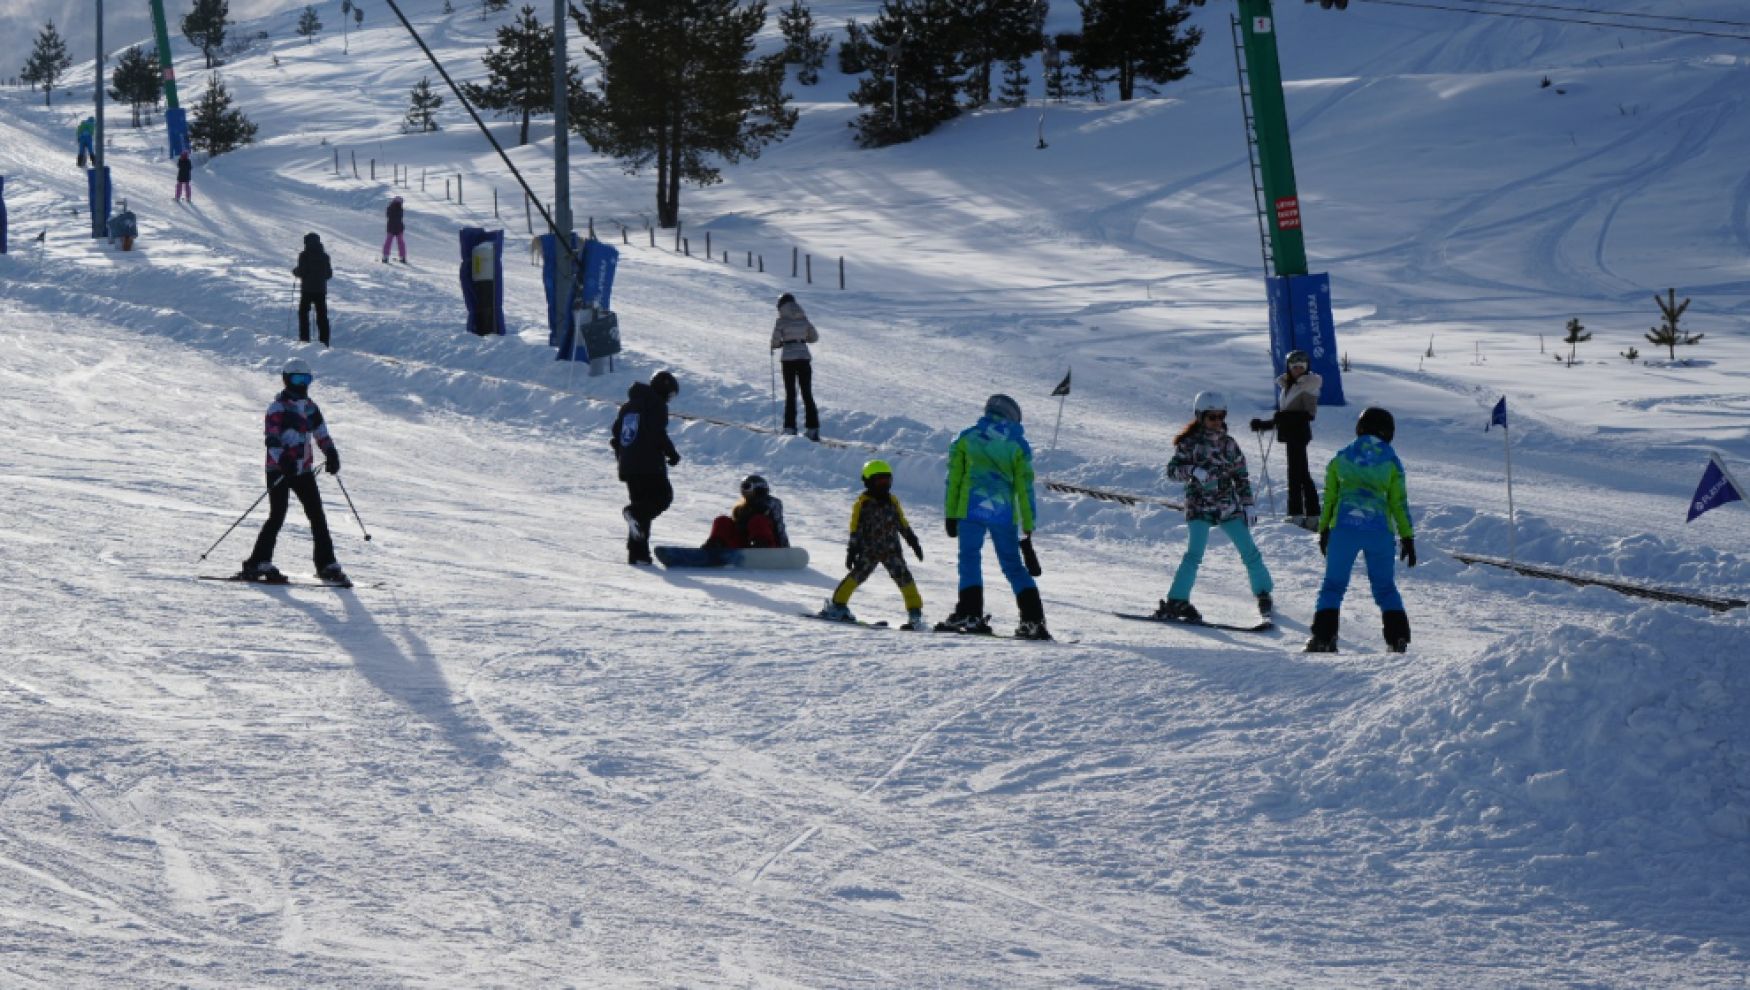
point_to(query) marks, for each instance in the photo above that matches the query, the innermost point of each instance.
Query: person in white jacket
(793, 333)
(1295, 412)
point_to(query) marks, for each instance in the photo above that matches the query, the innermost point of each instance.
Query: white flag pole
(1512, 519)
(1054, 430)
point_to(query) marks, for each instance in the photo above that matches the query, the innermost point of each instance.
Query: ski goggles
(1298, 366)
(300, 379)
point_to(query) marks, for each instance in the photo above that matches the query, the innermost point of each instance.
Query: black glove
(1263, 425)
(852, 552)
(331, 463)
(674, 458)
(1031, 558)
(1407, 551)
(917, 548)
(1324, 542)
(953, 527)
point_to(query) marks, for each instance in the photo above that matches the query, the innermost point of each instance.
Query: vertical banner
(99, 227)
(476, 292)
(558, 328)
(599, 263)
(2, 214)
(1300, 319)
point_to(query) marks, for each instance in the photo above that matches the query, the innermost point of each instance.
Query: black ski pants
(649, 496)
(305, 302)
(279, 497)
(1303, 495)
(799, 374)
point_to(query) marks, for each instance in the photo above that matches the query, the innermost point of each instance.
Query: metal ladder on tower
(1256, 172)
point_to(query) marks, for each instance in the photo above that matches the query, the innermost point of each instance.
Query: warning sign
(1288, 213)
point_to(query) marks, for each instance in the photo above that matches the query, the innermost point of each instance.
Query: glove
(1263, 425)
(852, 552)
(1324, 542)
(1031, 558)
(331, 463)
(1251, 517)
(1407, 551)
(917, 548)
(953, 527)
(674, 458)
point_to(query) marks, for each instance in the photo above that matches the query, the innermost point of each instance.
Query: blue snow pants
(1006, 540)
(1381, 552)
(1198, 538)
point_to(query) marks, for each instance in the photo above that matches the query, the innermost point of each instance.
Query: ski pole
(242, 517)
(1264, 465)
(774, 389)
(292, 308)
(354, 508)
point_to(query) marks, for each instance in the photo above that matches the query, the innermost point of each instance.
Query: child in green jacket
(1365, 504)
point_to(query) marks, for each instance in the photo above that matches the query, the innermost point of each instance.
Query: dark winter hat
(1003, 406)
(1376, 422)
(785, 300)
(754, 484)
(665, 385)
(312, 239)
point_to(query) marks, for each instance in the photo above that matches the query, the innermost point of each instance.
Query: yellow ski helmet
(874, 468)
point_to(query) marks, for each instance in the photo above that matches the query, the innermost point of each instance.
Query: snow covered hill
(509, 760)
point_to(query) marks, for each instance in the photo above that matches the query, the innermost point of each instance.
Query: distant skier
(313, 273)
(793, 333)
(755, 521)
(1218, 493)
(184, 172)
(1365, 504)
(396, 229)
(877, 525)
(1296, 409)
(294, 427)
(645, 453)
(87, 134)
(990, 490)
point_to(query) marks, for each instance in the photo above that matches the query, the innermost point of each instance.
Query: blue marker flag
(1716, 489)
(1499, 416)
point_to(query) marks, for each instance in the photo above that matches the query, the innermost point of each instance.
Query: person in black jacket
(313, 273)
(184, 171)
(396, 231)
(645, 452)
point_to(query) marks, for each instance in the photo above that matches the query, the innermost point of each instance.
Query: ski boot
(1397, 631)
(1178, 610)
(836, 612)
(789, 431)
(1265, 604)
(262, 571)
(1032, 616)
(812, 434)
(968, 617)
(1324, 631)
(333, 574)
(634, 529)
(915, 621)
(638, 552)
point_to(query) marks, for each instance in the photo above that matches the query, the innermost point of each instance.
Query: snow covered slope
(509, 760)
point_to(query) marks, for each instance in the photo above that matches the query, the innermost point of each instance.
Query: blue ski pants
(1197, 539)
(1381, 552)
(1006, 540)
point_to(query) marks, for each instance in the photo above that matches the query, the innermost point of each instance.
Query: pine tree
(679, 86)
(449, 8)
(918, 42)
(493, 7)
(855, 53)
(802, 47)
(205, 25)
(345, 15)
(1015, 84)
(48, 62)
(1577, 335)
(309, 24)
(135, 80)
(1667, 334)
(1127, 41)
(422, 107)
(216, 126)
(998, 31)
(520, 72)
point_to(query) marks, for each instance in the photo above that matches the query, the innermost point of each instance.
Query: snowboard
(754, 559)
(287, 583)
(1263, 625)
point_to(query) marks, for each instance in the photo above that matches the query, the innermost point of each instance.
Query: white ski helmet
(296, 366)
(1208, 402)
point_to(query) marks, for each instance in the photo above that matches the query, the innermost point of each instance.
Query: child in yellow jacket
(877, 525)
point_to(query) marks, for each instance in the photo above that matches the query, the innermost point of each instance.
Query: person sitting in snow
(755, 521)
(877, 525)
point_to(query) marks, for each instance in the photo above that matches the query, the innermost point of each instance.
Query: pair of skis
(283, 582)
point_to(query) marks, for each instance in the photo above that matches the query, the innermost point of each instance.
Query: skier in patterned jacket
(990, 490)
(877, 525)
(294, 428)
(1218, 493)
(1365, 505)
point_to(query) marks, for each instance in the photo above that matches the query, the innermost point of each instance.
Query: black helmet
(754, 483)
(665, 385)
(1376, 422)
(785, 298)
(1002, 405)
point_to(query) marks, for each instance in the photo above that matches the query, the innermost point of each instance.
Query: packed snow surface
(509, 759)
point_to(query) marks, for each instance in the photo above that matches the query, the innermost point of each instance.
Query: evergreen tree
(680, 86)
(855, 52)
(1126, 41)
(422, 107)
(1667, 334)
(205, 25)
(449, 8)
(216, 126)
(48, 62)
(135, 80)
(998, 31)
(520, 72)
(917, 42)
(1015, 83)
(1577, 335)
(309, 25)
(493, 7)
(802, 47)
(345, 15)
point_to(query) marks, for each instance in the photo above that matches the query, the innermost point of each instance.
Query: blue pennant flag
(1499, 416)
(1716, 489)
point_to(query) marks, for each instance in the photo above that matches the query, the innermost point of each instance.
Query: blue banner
(1716, 489)
(1300, 319)
(556, 331)
(99, 229)
(599, 262)
(471, 238)
(176, 121)
(2, 214)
